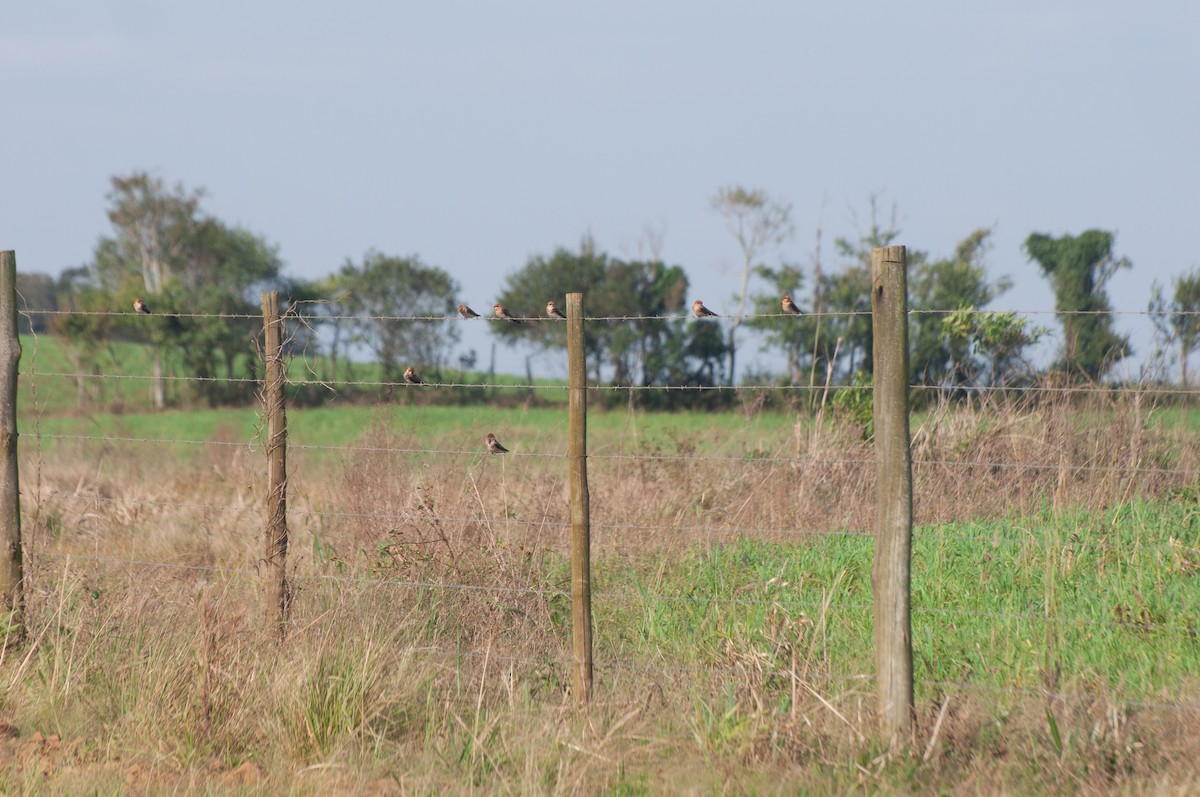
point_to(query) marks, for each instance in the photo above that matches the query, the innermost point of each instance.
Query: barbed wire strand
(293, 315)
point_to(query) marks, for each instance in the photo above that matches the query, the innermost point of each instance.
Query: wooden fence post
(12, 581)
(276, 594)
(890, 575)
(581, 532)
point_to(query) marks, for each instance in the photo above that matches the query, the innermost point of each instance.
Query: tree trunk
(160, 398)
(1184, 351)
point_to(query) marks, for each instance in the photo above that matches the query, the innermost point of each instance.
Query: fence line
(626, 598)
(293, 316)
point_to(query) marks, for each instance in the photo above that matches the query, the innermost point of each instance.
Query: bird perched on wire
(502, 312)
(789, 306)
(410, 376)
(467, 312)
(701, 311)
(553, 311)
(493, 445)
(140, 307)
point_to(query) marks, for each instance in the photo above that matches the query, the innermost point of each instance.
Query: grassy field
(1055, 605)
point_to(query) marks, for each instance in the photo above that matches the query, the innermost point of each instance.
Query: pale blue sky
(478, 134)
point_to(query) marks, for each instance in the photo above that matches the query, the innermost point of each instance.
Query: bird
(789, 306)
(410, 376)
(553, 311)
(502, 312)
(467, 312)
(493, 445)
(140, 307)
(701, 311)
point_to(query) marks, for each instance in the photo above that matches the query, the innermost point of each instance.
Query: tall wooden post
(581, 531)
(890, 575)
(12, 582)
(276, 594)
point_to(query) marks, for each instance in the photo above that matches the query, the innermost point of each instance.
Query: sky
(479, 134)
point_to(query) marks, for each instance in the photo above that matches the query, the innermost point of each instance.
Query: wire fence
(104, 528)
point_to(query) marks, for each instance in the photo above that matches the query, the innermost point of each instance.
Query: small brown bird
(789, 306)
(467, 312)
(502, 312)
(140, 307)
(553, 311)
(701, 311)
(494, 446)
(410, 376)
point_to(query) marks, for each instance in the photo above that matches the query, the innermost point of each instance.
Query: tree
(793, 335)
(648, 348)
(849, 292)
(948, 284)
(543, 279)
(1179, 319)
(155, 228)
(1078, 268)
(758, 223)
(988, 347)
(402, 308)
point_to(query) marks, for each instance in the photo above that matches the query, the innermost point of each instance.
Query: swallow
(140, 307)
(467, 312)
(701, 311)
(553, 311)
(493, 445)
(410, 376)
(502, 312)
(789, 306)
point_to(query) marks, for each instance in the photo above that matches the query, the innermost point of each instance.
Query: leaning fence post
(581, 534)
(890, 575)
(276, 595)
(12, 582)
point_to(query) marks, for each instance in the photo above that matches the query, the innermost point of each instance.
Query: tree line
(165, 248)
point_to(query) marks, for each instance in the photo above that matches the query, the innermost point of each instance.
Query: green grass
(1066, 601)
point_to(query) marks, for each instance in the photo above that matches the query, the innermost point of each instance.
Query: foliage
(960, 281)
(1078, 268)
(988, 346)
(758, 222)
(1178, 320)
(648, 349)
(856, 403)
(384, 287)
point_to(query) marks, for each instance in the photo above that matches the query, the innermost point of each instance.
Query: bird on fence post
(502, 312)
(493, 445)
(410, 376)
(789, 306)
(467, 312)
(140, 307)
(553, 311)
(701, 311)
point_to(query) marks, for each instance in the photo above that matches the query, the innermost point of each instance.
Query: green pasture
(1071, 602)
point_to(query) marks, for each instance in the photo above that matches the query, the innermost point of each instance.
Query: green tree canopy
(952, 283)
(402, 308)
(1078, 267)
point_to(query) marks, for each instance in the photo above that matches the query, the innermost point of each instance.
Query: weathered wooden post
(890, 575)
(276, 594)
(12, 581)
(581, 533)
